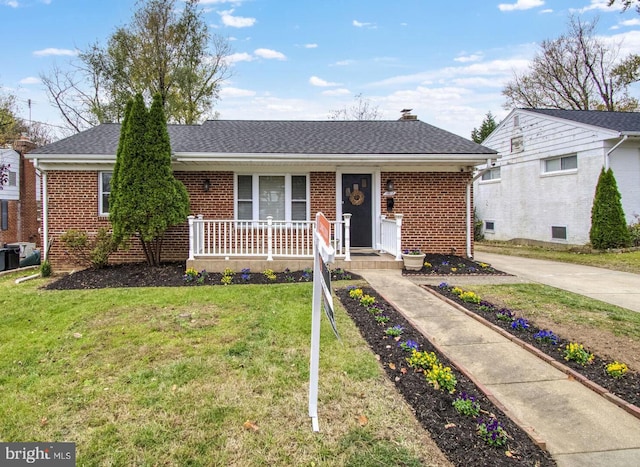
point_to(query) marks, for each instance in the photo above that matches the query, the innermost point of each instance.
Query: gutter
(608, 154)
(490, 165)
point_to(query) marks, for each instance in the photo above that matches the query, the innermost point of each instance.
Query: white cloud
(229, 91)
(311, 46)
(30, 80)
(336, 92)
(270, 54)
(520, 5)
(54, 51)
(239, 57)
(236, 21)
(11, 3)
(468, 58)
(344, 63)
(358, 24)
(315, 81)
(601, 5)
(630, 22)
(546, 11)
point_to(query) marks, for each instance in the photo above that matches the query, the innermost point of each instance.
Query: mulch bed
(440, 265)
(627, 387)
(454, 434)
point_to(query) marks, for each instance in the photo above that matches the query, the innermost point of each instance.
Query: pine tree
(608, 226)
(489, 124)
(146, 198)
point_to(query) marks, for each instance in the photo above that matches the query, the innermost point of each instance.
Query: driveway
(615, 287)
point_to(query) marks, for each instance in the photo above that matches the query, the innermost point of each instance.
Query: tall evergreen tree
(489, 124)
(146, 198)
(608, 226)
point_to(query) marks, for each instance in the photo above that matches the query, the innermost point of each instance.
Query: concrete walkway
(579, 427)
(615, 287)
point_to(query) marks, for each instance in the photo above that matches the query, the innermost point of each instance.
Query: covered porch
(215, 245)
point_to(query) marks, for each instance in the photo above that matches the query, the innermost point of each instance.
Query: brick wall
(434, 209)
(323, 194)
(23, 214)
(433, 205)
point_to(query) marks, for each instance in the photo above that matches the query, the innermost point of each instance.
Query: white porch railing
(267, 239)
(391, 236)
(280, 239)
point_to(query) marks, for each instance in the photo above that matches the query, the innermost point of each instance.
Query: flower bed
(431, 385)
(614, 376)
(436, 264)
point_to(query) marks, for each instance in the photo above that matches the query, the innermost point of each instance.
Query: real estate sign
(323, 253)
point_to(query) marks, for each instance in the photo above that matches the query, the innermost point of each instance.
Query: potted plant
(413, 259)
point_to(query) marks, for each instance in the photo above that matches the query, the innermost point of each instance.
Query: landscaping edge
(627, 407)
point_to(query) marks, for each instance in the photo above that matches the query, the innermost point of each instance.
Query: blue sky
(300, 59)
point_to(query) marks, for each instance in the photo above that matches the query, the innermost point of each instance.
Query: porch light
(389, 194)
(206, 184)
(390, 185)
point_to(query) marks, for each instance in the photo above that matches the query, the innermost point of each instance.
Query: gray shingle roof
(284, 137)
(617, 121)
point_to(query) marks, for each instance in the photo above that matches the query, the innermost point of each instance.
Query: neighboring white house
(542, 185)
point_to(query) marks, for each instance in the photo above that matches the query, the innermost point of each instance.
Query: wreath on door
(356, 197)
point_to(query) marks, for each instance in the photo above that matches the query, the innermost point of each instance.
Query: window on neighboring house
(489, 226)
(493, 174)
(13, 179)
(104, 182)
(283, 197)
(558, 164)
(558, 232)
(4, 214)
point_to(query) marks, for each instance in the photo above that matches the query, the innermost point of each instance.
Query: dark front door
(356, 200)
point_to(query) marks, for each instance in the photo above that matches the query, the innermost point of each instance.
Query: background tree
(361, 109)
(12, 127)
(608, 226)
(488, 125)
(161, 51)
(576, 71)
(626, 4)
(145, 199)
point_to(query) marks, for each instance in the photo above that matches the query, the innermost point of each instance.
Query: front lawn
(195, 376)
(627, 261)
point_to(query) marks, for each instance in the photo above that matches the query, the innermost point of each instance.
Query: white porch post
(383, 217)
(399, 236)
(269, 238)
(191, 238)
(347, 236)
(199, 245)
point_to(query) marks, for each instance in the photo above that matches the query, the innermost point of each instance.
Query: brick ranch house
(255, 187)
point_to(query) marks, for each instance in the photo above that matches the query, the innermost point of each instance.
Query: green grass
(179, 376)
(627, 261)
(542, 301)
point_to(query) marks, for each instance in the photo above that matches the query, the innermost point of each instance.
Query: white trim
(375, 201)
(255, 193)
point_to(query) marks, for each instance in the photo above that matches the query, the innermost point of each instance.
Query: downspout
(606, 156)
(45, 212)
(468, 203)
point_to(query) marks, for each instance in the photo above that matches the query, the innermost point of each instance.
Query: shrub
(86, 251)
(608, 226)
(45, 268)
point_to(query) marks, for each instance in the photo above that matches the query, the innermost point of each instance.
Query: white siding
(526, 202)
(12, 158)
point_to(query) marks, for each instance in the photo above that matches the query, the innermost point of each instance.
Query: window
(104, 181)
(489, 226)
(559, 164)
(4, 214)
(13, 179)
(493, 174)
(283, 197)
(558, 232)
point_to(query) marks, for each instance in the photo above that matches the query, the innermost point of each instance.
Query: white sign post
(323, 252)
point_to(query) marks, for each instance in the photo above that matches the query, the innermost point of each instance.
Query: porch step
(382, 261)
